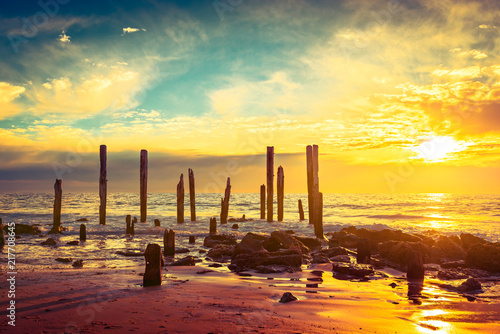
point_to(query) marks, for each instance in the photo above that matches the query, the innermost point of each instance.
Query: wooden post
(56, 226)
(2, 237)
(192, 239)
(103, 183)
(157, 222)
(127, 220)
(169, 243)
(152, 275)
(144, 184)
(415, 264)
(318, 224)
(192, 200)
(225, 203)
(263, 201)
(363, 253)
(301, 210)
(280, 189)
(83, 232)
(310, 192)
(213, 225)
(270, 181)
(180, 200)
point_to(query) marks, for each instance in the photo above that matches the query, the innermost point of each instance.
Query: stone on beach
(471, 284)
(219, 239)
(186, 261)
(78, 264)
(287, 297)
(221, 253)
(353, 269)
(484, 256)
(64, 259)
(24, 229)
(49, 242)
(73, 243)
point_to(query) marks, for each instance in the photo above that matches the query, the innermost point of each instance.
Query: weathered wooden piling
(415, 264)
(169, 243)
(192, 195)
(2, 237)
(83, 232)
(310, 182)
(180, 200)
(280, 189)
(56, 225)
(225, 203)
(213, 225)
(157, 222)
(144, 184)
(318, 224)
(263, 201)
(130, 225)
(152, 274)
(363, 252)
(192, 239)
(103, 185)
(301, 210)
(270, 182)
(315, 198)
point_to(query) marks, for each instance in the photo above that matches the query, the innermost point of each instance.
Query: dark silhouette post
(225, 203)
(103, 184)
(192, 200)
(130, 225)
(56, 225)
(415, 264)
(301, 210)
(270, 181)
(263, 201)
(310, 182)
(213, 225)
(144, 184)
(363, 254)
(83, 232)
(180, 200)
(169, 243)
(152, 274)
(280, 188)
(2, 237)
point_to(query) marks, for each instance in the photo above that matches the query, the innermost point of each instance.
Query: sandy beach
(201, 300)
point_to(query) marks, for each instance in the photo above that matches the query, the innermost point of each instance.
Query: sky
(400, 96)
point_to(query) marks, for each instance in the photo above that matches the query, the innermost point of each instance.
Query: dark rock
(271, 245)
(24, 229)
(288, 241)
(343, 239)
(470, 284)
(332, 252)
(359, 270)
(363, 254)
(287, 297)
(186, 261)
(448, 248)
(221, 253)
(235, 226)
(273, 269)
(64, 259)
(319, 258)
(393, 285)
(219, 239)
(239, 220)
(397, 251)
(215, 265)
(250, 243)
(290, 258)
(453, 264)
(484, 256)
(468, 240)
(202, 251)
(451, 274)
(56, 229)
(311, 243)
(78, 264)
(182, 250)
(341, 258)
(73, 243)
(49, 242)
(82, 220)
(415, 264)
(127, 253)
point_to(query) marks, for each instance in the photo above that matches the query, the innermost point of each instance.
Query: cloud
(130, 30)
(64, 38)
(8, 93)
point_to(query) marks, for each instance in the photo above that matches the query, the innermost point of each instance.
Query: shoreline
(113, 301)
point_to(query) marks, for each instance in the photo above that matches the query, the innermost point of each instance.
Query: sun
(438, 148)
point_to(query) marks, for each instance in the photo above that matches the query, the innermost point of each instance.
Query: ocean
(450, 214)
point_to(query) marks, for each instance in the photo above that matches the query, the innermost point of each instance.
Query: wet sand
(113, 301)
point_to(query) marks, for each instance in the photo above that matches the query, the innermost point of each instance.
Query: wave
(402, 216)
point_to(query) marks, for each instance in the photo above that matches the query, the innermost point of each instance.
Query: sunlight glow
(438, 148)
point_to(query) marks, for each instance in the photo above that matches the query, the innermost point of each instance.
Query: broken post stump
(213, 225)
(103, 191)
(157, 222)
(301, 210)
(192, 194)
(180, 200)
(56, 225)
(130, 225)
(2, 237)
(144, 184)
(152, 274)
(363, 255)
(83, 232)
(192, 239)
(415, 264)
(169, 243)
(263, 201)
(225, 203)
(270, 181)
(280, 189)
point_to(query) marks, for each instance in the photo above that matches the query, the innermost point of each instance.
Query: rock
(73, 243)
(250, 243)
(332, 252)
(235, 226)
(219, 239)
(288, 241)
(128, 253)
(363, 253)
(78, 264)
(359, 270)
(484, 256)
(182, 250)
(341, 258)
(311, 243)
(221, 253)
(49, 242)
(468, 240)
(82, 220)
(470, 284)
(449, 248)
(287, 297)
(202, 251)
(273, 269)
(56, 229)
(24, 229)
(393, 285)
(271, 245)
(453, 264)
(289, 258)
(451, 274)
(342, 239)
(320, 258)
(415, 266)
(186, 261)
(64, 259)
